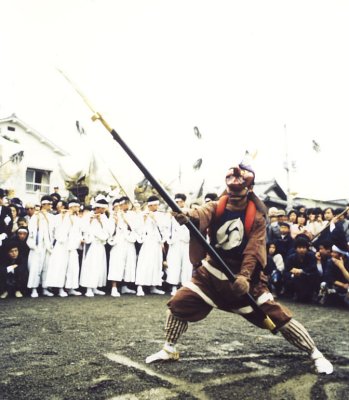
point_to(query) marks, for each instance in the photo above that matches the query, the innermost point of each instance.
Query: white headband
(73, 204)
(150, 203)
(338, 250)
(101, 205)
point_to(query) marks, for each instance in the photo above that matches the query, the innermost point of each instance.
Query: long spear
(268, 323)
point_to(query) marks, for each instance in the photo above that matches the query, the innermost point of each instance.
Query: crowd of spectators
(64, 248)
(308, 253)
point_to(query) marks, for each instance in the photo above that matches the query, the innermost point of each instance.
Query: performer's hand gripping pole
(268, 323)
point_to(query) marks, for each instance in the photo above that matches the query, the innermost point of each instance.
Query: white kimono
(63, 268)
(94, 261)
(149, 264)
(40, 242)
(122, 261)
(179, 267)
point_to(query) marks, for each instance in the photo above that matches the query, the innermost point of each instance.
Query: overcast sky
(238, 70)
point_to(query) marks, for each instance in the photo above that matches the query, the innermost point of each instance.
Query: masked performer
(237, 227)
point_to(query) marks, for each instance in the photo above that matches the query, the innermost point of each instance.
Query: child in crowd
(13, 272)
(274, 269)
(301, 271)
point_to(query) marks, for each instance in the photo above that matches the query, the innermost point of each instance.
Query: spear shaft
(192, 228)
(268, 323)
(314, 239)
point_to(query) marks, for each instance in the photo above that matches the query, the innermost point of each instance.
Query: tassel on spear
(268, 323)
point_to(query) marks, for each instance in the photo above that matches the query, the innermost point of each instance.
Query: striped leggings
(293, 331)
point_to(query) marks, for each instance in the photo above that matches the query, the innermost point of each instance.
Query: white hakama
(94, 260)
(179, 267)
(63, 268)
(40, 242)
(123, 258)
(149, 265)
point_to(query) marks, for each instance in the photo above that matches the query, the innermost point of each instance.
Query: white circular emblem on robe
(230, 234)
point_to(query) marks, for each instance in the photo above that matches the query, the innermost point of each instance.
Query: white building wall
(38, 154)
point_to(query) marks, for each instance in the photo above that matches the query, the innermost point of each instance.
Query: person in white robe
(123, 258)
(179, 267)
(63, 268)
(40, 243)
(149, 269)
(96, 232)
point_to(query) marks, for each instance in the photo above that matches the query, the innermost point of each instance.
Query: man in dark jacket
(301, 273)
(6, 222)
(335, 283)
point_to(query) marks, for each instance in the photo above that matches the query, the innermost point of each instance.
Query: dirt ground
(94, 348)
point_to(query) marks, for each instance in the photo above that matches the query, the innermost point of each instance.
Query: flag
(316, 146)
(80, 129)
(197, 132)
(17, 157)
(197, 164)
(201, 190)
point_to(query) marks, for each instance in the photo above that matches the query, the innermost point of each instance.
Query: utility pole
(287, 169)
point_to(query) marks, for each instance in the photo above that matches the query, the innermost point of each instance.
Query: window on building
(11, 128)
(38, 180)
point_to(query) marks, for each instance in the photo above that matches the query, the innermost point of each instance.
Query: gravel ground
(94, 348)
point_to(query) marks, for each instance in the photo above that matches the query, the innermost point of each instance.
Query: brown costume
(210, 288)
(237, 231)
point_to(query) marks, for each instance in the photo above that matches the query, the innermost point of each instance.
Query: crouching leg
(174, 328)
(185, 306)
(296, 334)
